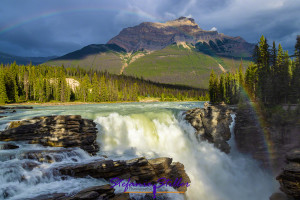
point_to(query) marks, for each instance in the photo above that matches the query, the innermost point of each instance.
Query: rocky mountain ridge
(149, 36)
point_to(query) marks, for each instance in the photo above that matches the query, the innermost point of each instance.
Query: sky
(57, 27)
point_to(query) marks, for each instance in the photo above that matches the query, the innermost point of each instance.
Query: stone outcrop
(154, 36)
(55, 131)
(212, 124)
(140, 170)
(289, 178)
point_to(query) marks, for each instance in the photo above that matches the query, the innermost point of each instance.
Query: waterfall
(128, 131)
(214, 175)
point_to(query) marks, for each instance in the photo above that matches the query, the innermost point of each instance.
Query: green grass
(176, 65)
(108, 61)
(172, 65)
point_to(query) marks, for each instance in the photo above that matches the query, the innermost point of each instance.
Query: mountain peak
(185, 19)
(181, 21)
(151, 36)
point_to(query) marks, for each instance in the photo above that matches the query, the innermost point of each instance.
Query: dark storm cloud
(68, 25)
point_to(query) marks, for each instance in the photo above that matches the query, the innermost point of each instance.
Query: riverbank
(145, 100)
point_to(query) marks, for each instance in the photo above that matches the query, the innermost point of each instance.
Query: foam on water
(214, 175)
(127, 131)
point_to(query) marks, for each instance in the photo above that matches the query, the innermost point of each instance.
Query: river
(130, 130)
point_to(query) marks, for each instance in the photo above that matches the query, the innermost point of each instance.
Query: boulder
(8, 146)
(55, 131)
(212, 124)
(289, 178)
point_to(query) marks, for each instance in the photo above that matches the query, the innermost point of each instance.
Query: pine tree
(241, 75)
(212, 87)
(95, 89)
(85, 86)
(222, 89)
(285, 87)
(251, 80)
(295, 82)
(3, 94)
(263, 69)
(135, 92)
(103, 90)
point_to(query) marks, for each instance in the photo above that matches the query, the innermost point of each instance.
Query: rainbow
(52, 13)
(268, 144)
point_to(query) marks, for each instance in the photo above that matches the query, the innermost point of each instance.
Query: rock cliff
(289, 178)
(212, 124)
(265, 142)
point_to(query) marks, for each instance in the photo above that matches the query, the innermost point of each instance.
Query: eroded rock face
(289, 178)
(212, 124)
(140, 170)
(55, 131)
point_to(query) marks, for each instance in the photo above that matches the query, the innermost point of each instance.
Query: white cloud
(213, 29)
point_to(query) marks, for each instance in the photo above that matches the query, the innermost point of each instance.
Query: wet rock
(56, 196)
(56, 131)
(212, 124)
(104, 192)
(122, 196)
(289, 178)
(15, 107)
(30, 165)
(279, 196)
(8, 146)
(140, 170)
(49, 156)
(96, 192)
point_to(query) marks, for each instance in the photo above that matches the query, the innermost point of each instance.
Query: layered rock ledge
(56, 131)
(212, 124)
(289, 178)
(140, 170)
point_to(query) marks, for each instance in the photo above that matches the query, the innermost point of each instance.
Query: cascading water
(214, 175)
(128, 131)
(25, 176)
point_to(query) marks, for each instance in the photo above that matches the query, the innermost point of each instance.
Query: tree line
(42, 83)
(272, 78)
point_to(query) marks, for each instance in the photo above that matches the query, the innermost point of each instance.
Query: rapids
(137, 129)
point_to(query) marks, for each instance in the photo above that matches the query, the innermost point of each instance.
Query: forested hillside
(19, 83)
(273, 78)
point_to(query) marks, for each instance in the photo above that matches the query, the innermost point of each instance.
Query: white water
(214, 175)
(151, 130)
